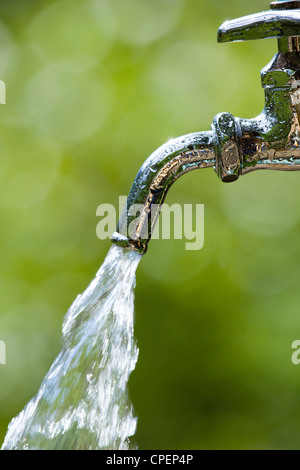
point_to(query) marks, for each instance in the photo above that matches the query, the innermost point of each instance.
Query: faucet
(233, 146)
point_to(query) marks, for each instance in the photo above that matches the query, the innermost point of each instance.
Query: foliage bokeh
(93, 87)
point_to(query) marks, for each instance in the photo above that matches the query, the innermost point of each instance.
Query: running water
(83, 400)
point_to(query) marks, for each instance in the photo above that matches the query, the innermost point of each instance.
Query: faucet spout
(153, 181)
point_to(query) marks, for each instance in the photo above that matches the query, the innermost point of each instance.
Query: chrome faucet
(233, 146)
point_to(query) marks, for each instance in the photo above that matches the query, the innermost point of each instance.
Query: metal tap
(233, 146)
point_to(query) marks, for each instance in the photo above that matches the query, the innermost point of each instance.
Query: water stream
(83, 401)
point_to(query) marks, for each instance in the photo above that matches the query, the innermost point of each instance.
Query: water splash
(83, 400)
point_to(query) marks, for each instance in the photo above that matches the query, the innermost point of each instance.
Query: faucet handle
(282, 21)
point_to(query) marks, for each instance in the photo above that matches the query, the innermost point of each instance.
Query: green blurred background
(93, 87)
